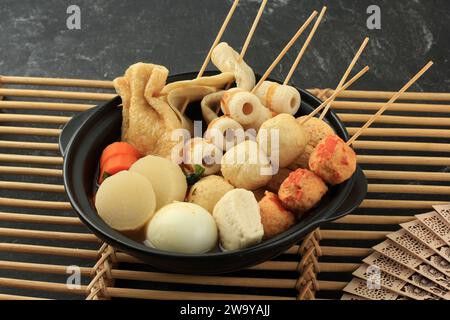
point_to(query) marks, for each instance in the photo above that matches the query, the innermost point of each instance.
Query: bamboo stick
(19, 158)
(52, 235)
(346, 74)
(30, 131)
(252, 30)
(114, 292)
(402, 146)
(40, 268)
(408, 175)
(4, 117)
(40, 81)
(331, 285)
(56, 94)
(41, 285)
(374, 219)
(399, 204)
(408, 189)
(31, 171)
(348, 84)
(305, 46)
(218, 38)
(276, 265)
(285, 50)
(405, 120)
(353, 234)
(400, 132)
(12, 297)
(203, 280)
(390, 102)
(406, 107)
(338, 267)
(345, 251)
(53, 106)
(27, 186)
(402, 160)
(48, 250)
(41, 219)
(29, 145)
(383, 95)
(36, 204)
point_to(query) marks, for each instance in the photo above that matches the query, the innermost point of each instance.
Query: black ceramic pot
(86, 135)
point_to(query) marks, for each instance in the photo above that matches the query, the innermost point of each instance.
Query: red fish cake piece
(274, 218)
(302, 191)
(333, 160)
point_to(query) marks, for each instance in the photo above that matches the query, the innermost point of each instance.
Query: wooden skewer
(248, 39)
(390, 102)
(285, 50)
(334, 95)
(214, 45)
(252, 30)
(305, 46)
(347, 73)
(218, 38)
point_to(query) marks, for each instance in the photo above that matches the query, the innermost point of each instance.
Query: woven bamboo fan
(405, 157)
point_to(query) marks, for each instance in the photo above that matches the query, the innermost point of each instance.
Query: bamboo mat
(405, 157)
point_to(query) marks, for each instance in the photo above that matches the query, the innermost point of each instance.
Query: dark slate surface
(114, 34)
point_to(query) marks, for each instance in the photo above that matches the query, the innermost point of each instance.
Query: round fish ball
(182, 228)
(246, 166)
(302, 191)
(166, 177)
(208, 191)
(201, 152)
(333, 160)
(317, 130)
(283, 139)
(126, 202)
(274, 218)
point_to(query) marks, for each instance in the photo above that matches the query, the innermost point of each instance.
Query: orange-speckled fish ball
(302, 191)
(333, 160)
(274, 218)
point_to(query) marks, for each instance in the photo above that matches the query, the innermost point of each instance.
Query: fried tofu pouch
(148, 121)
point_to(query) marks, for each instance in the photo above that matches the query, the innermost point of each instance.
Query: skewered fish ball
(279, 98)
(274, 218)
(225, 133)
(289, 143)
(246, 166)
(333, 160)
(199, 151)
(302, 191)
(317, 130)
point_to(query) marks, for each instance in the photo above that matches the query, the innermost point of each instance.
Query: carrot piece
(115, 164)
(117, 148)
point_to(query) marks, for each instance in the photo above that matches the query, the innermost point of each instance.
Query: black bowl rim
(119, 240)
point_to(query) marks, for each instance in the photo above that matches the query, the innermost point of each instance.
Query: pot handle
(71, 128)
(356, 197)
